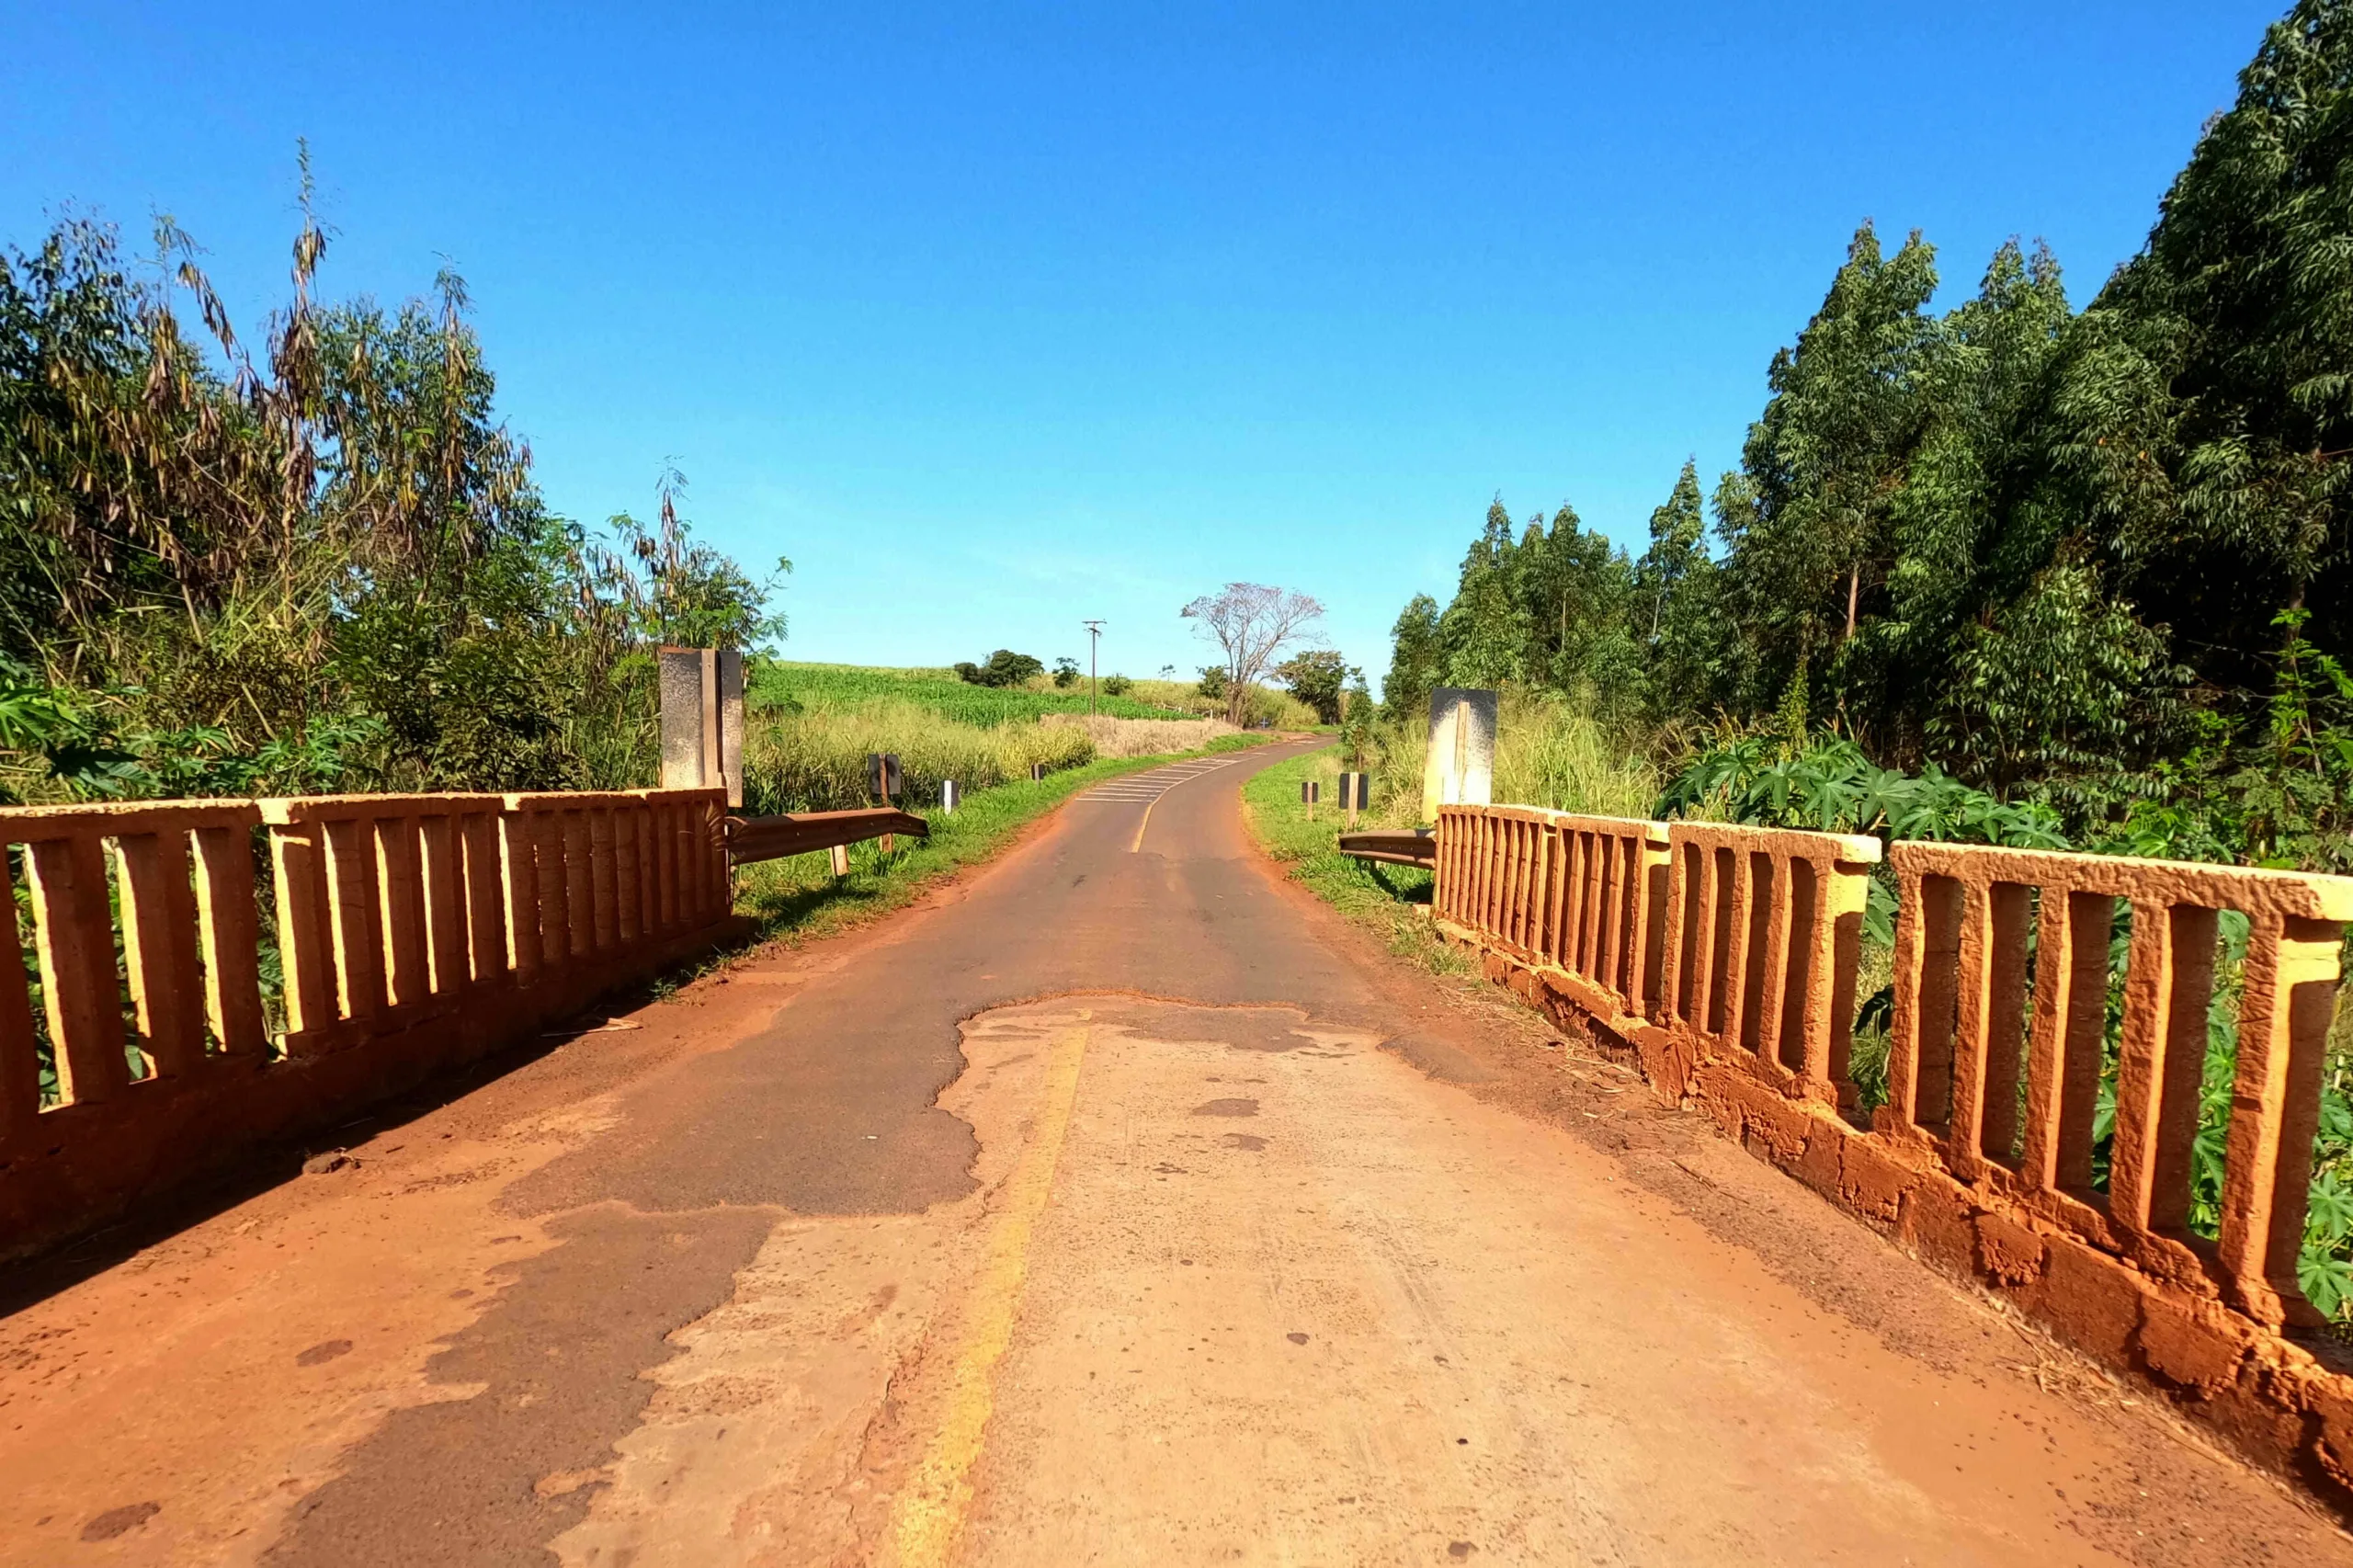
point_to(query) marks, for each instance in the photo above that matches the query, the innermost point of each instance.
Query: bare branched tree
(1253, 622)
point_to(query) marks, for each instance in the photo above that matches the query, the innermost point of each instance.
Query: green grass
(778, 683)
(1391, 900)
(798, 896)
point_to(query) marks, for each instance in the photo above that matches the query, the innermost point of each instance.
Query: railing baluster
(1769, 989)
(73, 930)
(518, 860)
(627, 911)
(1737, 946)
(401, 886)
(440, 845)
(1654, 872)
(482, 862)
(553, 918)
(1483, 849)
(649, 874)
(2290, 981)
(20, 1044)
(2002, 1015)
(1531, 860)
(1507, 879)
(1576, 909)
(1609, 908)
(355, 905)
(604, 885)
(159, 948)
(2162, 1054)
(579, 882)
(1539, 898)
(1719, 1019)
(666, 864)
(693, 865)
(1559, 886)
(1973, 975)
(229, 935)
(305, 940)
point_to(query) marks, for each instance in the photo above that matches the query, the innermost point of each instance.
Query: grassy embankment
(1391, 900)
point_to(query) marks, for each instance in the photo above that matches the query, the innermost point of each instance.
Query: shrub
(1004, 668)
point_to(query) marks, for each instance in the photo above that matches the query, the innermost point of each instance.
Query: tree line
(2095, 559)
(315, 560)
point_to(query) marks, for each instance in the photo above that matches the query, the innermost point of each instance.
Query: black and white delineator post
(702, 718)
(1355, 794)
(949, 796)
(1310, 791)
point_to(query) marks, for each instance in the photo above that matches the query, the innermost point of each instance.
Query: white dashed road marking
(1142, 788)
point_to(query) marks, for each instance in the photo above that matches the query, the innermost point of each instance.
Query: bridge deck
(1120, 1206)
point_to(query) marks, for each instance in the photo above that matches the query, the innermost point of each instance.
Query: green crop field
(778, 683)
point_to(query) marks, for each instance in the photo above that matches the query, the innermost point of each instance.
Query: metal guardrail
(1413, 846)
(772, 838)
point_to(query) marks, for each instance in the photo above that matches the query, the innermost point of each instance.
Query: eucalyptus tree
(1827, 455)
(1678, 532)
(2214, 399)
(1416, 659)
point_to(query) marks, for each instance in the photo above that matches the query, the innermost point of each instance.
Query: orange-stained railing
(1585, 896)
(393, 906)
(1763, 929)
(388, 912)
(2002, 998)
(188, 941)
(2001, 1030)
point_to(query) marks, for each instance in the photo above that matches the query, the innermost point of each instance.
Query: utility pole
(1094, 636)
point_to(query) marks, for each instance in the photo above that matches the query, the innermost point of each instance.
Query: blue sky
(996, 318)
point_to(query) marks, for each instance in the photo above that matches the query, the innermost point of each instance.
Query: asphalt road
(1119, 1206)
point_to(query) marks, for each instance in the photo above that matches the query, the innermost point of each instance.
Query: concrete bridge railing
(1728, 960)
(197, 977)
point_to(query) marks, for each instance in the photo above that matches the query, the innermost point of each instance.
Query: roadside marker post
(1355, 794)
(841, 861)
(882, 778)
(1037, 773)
(948, 796)
(1309, 790)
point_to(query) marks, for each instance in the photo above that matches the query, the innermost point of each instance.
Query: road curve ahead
(1119, 1206)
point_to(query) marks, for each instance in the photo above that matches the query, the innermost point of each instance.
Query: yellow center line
(929, 1515)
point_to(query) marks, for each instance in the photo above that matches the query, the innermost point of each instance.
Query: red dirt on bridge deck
(722, 1259)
